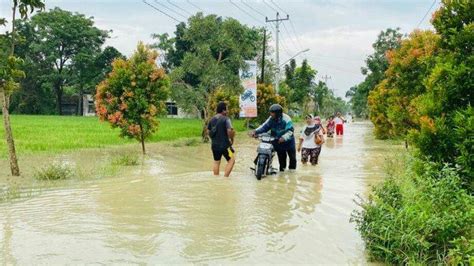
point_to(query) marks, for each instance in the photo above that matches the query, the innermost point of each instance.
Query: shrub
(418, 218)
(126, 160)
(54, 171)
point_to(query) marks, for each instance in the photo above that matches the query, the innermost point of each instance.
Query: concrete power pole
(326, 78)
(277, 21)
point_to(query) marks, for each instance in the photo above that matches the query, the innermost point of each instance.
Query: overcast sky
(338, 33)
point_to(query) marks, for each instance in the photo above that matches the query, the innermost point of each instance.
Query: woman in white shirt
(307, 145)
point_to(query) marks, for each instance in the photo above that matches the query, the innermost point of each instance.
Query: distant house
(174, 111)
(70, 107)
(88, 105)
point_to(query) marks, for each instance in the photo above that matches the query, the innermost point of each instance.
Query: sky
(338, 33)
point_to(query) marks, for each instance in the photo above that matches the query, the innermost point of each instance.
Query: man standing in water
(280, 127)
(222, 136)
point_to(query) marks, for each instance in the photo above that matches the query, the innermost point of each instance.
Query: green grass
(35, 134)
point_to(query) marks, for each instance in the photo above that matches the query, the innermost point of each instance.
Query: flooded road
(170, 209)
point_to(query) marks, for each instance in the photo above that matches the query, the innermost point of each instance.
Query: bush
(418, 218)
(54, 172)
(126, 160)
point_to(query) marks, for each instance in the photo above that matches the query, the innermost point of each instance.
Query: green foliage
(55, 171)
(204, 56)
(133, 95)
(227, 96)
(300, 81)
(426, 96)
(418, 219)
(376, 65)
(126, 160)
(60, 48)
(54, 134)
(266, 96)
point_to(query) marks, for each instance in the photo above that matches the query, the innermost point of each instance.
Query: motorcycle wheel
(261, 166)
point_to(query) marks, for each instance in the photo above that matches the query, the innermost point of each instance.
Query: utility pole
(262, 78)
(277, 21)
(326, 77)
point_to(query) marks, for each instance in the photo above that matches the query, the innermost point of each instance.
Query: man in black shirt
(222, 136)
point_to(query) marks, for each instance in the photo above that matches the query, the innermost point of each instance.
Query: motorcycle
(265, 154)
(248, 94)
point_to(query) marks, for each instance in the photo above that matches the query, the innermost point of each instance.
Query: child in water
(331, 126)
(308, 145)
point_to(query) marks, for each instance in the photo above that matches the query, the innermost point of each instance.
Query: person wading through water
(222, 136)
(311, 139)
(280, 127)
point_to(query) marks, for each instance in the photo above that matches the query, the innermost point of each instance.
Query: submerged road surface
(170, 209)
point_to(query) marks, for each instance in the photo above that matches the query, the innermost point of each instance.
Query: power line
(253, 9)
(291, 38)
(194, 5)
(170, 9)
(247, 13)
(256, 11)
(296, 35)
(426, 14)
(291, 24)
(162, 12)
(278, 7)
(178, 7)
(270, 6)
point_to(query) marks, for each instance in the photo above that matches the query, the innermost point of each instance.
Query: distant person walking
(331, 126)
(339, 121)
(222, 136)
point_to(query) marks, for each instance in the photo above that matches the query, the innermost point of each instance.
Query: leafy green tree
(134, 94)
(266, 96)
(300, 81)
(376, 65)
(61, 37)
(89, 69)
(10, 72)
(206, 55)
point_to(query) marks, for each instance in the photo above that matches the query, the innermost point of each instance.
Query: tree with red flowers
(134, 94)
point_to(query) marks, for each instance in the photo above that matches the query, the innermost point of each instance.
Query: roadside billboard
(248, 99)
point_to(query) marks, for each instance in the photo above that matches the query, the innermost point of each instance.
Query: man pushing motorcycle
(280, 127)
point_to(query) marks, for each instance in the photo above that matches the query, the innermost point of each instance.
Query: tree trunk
(59, 96)
(204, 133)
(15, 170)
(142, 139)
(80, 110)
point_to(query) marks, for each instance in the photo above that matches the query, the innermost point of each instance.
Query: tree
(300, 81)
(391, 103)
(61, 37)
(205, 56)
(10, 73)
(89, 69)
(376, 65)
(266, 96)
(134, 94)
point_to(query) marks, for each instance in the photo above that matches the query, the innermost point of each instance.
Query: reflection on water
(171, 209)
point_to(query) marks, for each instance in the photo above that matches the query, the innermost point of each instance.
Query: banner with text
(248, 99)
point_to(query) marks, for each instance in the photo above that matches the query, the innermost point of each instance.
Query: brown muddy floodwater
(170, 209)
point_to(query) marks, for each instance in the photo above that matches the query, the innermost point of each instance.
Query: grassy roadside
(36, 134)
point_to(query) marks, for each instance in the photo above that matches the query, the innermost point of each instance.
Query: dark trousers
(291, 152)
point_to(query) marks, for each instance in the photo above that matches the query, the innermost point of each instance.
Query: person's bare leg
(216, 166)
(229, 166)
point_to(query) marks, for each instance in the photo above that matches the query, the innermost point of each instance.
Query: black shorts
(227, 153)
